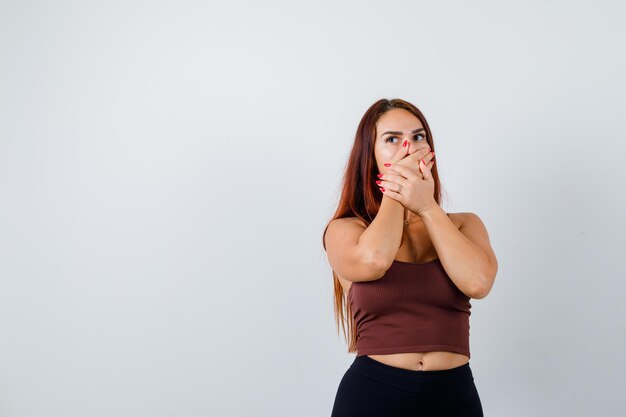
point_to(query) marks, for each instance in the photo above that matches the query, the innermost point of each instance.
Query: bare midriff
(423, 361)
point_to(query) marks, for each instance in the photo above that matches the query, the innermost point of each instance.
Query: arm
(358, 252)
(465, 253)
(382, 237)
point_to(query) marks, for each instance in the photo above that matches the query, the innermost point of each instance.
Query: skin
(459, 240)
(388, 145)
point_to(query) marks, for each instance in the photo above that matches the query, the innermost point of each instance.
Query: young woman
(404, 272)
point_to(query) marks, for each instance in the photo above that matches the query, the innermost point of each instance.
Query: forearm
(382, 237)
(464, 262)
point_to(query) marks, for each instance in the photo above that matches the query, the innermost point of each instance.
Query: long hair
(360, 197)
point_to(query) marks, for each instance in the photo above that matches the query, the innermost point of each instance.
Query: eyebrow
(396, 132)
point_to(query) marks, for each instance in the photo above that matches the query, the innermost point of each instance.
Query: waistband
(415, 381)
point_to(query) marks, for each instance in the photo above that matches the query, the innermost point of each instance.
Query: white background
(167, 169)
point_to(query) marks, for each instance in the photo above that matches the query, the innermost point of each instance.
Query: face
(403, 125)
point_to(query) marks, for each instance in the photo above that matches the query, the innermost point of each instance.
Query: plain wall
(167, 169)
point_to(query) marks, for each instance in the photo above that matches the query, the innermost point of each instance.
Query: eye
(390, 137)
(421, 137)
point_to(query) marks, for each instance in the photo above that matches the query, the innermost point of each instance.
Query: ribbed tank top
(413, 307)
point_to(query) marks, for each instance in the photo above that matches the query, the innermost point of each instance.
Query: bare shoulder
(457, 219)
(343, 222)
(467, 219)
(341, 236)
(353, 220)
(475, 230)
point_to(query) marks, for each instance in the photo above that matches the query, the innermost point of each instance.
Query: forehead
(397, 119)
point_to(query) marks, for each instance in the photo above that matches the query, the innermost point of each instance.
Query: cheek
(385, 154)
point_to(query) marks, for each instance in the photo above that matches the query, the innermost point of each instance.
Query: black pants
(370, 388)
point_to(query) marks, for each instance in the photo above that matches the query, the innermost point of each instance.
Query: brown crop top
(413, 307)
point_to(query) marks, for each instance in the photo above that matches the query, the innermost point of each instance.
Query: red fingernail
(378, 182)
(404, 143)
(432, 153)
(381, 189)
(380, 175)
(387, 165)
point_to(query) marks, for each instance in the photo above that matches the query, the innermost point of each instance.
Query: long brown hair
(360, 197)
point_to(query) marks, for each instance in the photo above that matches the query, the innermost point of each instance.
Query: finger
(391, 177)
(413, 159)
(406, 172)
(392, 194)
(392, 182)
(426, 169)
(401, 153)
(421, 153)
(428, 156)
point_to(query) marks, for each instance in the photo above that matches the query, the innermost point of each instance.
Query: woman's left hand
(416, 189)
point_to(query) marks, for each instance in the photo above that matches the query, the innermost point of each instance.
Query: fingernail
(387, 164)
(380, 175)
(432, 153)
(381, 189)
(378, 182)
(404, 143)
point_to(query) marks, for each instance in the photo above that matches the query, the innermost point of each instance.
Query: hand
(413, 189)
(412, 159)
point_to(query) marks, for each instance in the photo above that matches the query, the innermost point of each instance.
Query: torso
(418, 248)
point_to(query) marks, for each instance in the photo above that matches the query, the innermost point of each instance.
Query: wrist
(430, 211)
(391, 204)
